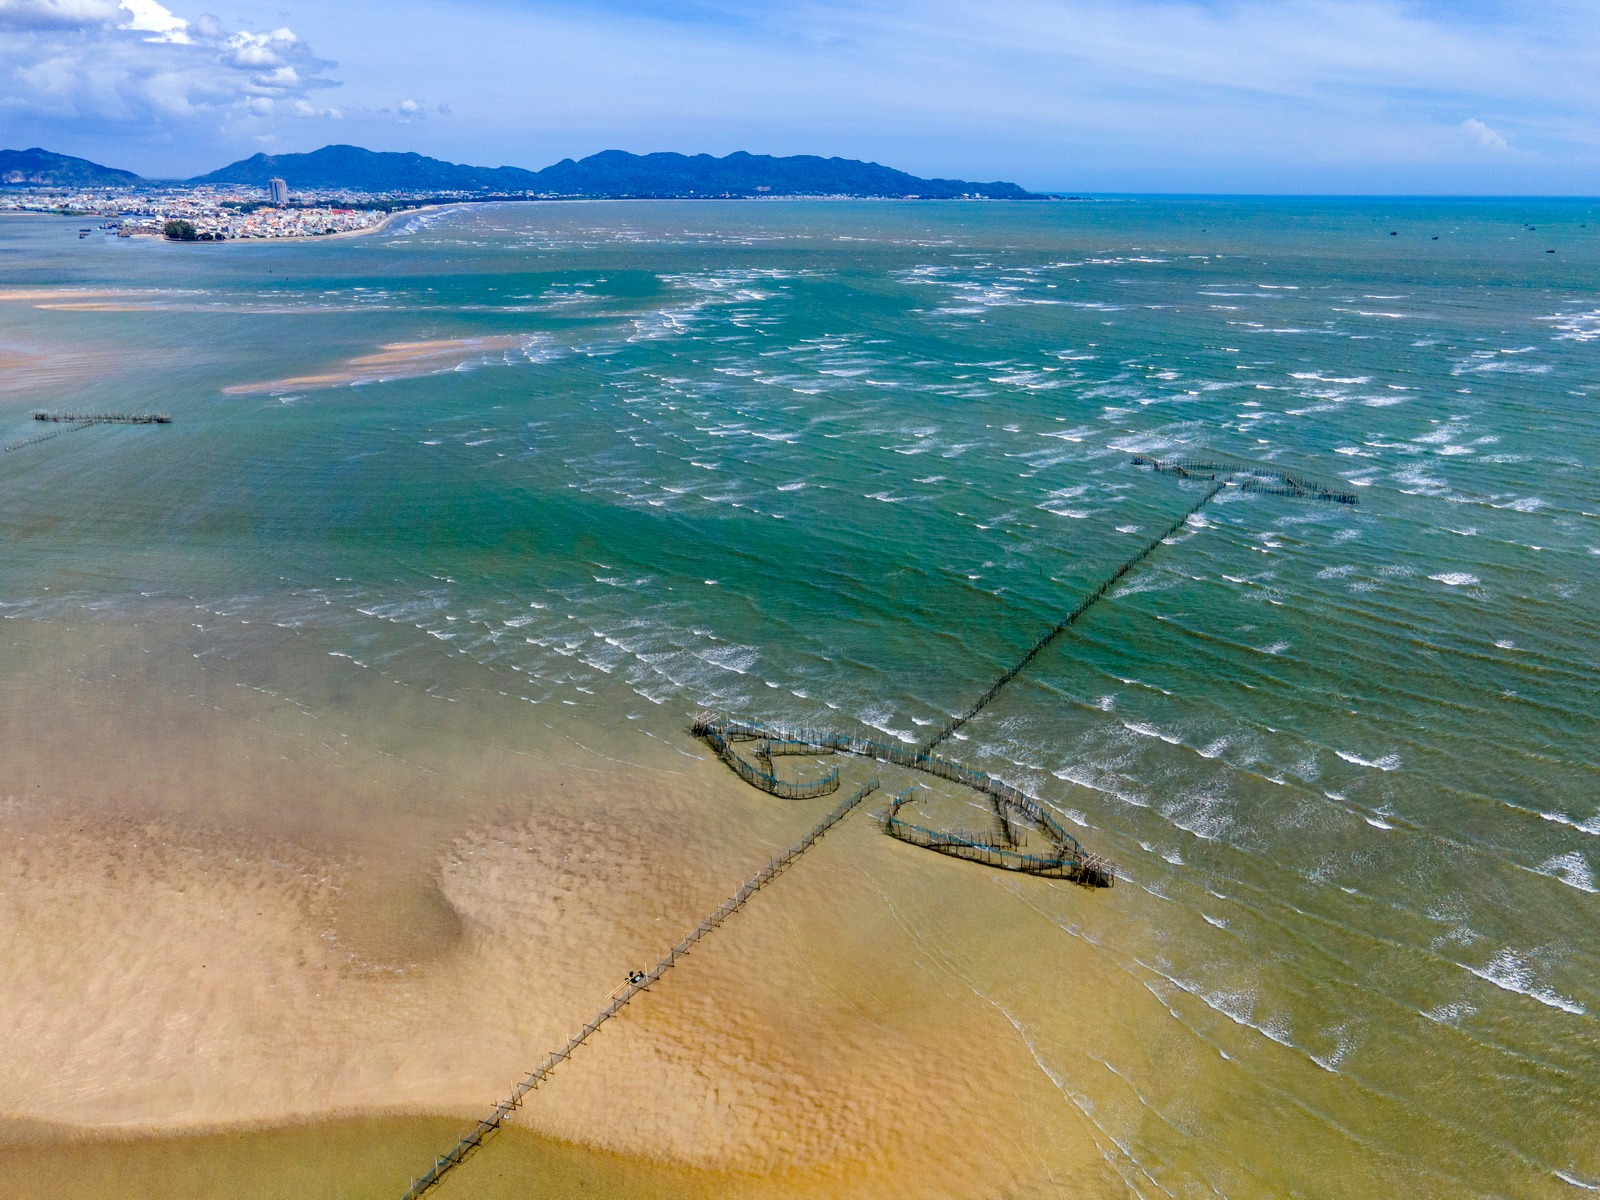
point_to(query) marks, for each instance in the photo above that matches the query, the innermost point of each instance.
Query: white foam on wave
(1571, 869)
(1455, 579)
(1510, 972)
(1489, 362)
(1450, 1014)
(1151, 731)
(1239, 1007)
(1389, 762)
(1525, 504)
(1343, 1044)
(1569, 1178)
(1321, 378)
(1576, 327)
(1591, 826)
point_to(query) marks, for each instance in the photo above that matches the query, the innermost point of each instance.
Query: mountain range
(609, 174)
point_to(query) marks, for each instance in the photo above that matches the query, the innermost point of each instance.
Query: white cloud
(138, 62)
(260, 49)
(1298, 95)
(57, 14)
(147, 16)
(1327, 95)
(304, 108)
(1480, 134)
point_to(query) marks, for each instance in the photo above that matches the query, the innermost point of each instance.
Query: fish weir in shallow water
(105, 418)
(1068, 859)
(1014, 809)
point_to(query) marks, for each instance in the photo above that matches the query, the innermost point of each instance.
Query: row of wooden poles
(1066, 623)
(638, 982)
(71, 422)
(42, 437)
(105, 418)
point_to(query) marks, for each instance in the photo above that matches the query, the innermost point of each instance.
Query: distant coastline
(610, 174)
(349, 191)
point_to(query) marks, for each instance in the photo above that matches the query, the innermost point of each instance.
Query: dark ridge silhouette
(609, 174)
(43, 168)
(359, 170)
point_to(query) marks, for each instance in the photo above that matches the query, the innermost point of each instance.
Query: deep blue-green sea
(841, 462)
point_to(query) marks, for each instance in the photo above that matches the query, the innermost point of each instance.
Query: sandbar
(397, 360)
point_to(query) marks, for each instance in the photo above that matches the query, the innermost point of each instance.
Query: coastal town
(346, 190)
(213, 213)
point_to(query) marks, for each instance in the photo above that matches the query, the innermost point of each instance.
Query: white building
(278, 191)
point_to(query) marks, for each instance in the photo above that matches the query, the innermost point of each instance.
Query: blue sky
(1297, 96)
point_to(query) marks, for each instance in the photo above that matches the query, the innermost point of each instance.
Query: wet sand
(351, 1158)
(234, 923)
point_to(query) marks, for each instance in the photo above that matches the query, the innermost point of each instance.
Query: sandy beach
(388, 221)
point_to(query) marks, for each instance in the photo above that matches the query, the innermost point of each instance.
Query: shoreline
(379, 227)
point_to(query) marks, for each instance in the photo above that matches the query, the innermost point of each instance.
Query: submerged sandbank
(398, 360)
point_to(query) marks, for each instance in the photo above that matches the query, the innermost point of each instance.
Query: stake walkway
(485, 1129)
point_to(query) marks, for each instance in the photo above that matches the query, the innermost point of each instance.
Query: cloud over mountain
(1227, 95)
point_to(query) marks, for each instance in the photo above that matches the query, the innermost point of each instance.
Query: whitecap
(1389, 762)
(1591, 826)
(1450, 1014)
(1151, 731)
(1509, 972)
(1571, 869)
(1565, 1177)
(1455, 578)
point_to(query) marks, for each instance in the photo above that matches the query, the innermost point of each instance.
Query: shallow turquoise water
(838, 462)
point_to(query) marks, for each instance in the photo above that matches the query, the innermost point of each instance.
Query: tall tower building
(278, 191)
